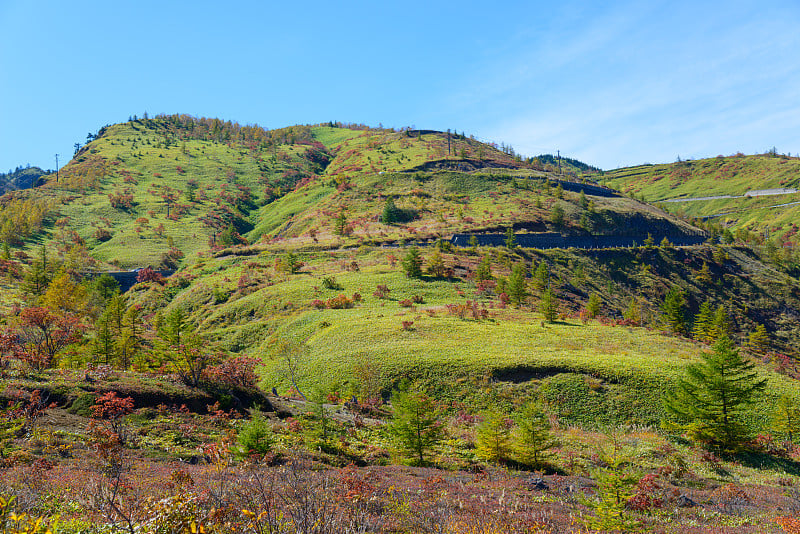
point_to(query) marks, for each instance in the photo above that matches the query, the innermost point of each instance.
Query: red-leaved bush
(239, 371)
(149, 275)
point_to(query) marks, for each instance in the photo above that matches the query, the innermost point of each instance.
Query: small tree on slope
(713, 396)
(415, 426)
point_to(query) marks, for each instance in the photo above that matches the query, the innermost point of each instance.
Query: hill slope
(754, 192)
(154, 191)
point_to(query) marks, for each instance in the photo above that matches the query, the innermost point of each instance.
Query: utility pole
(559, 161)
(56, 168)
(448, 141)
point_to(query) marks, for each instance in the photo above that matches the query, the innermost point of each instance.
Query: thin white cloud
(656, 98)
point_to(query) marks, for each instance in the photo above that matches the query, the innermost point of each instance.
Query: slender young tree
(758, 340)
(786, 419)
(511, 240)
(703, 323)
(484, 270)
(673, 309)
(516, 284)
(712, 397)
(548, 306)
(721, 325)
(436, 265)
(593, 306)
(534, 437)
(415, 425)
(540, 277)
(390, 212)
(412, 263)
(493, 437)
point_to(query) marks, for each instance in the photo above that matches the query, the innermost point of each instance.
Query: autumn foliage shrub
(470, 309)
(121, 201)
(649, 494)
(339, 303)
(382, 291)
(790, 525)
(39, 336)
(149, 275)
(239, 371)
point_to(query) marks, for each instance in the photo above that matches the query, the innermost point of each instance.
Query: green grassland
(590, 373)
(153, 191)
(734, 175)
(284, 190)
(151, 162)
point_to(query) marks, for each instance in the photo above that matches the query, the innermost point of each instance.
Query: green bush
(82, 405)
(256, 436)
(330, 282)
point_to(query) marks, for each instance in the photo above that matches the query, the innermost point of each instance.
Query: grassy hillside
(148, 187)
(731, 176)
(163, 191)
(184, 191)
(251, 306)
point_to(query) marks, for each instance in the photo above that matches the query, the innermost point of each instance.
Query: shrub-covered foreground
(332, 467)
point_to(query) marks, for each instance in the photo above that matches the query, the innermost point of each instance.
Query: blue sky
(614, 84)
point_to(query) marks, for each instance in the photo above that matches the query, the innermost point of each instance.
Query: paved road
(753, 193)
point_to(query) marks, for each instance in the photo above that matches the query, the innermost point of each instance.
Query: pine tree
(758, 340)
(712, 397)
(493, 437)
(64, 294)
(104, 346)
(412, 263)
(132, 339)
(436, 265)
(38, 276)
(703, 323)
(340, 225)
(583, 200)
(516, 284)
(557, 215)
(511, 240)
(541, 277)
(415, 425)
(390, 212)
(548, 306)
(720, 325)
(673, 309)
(786, 420)
(614, 488)
(484, 270)
(704, 274)
(593, 306)
(174, 327)
(633, 313)
(533, 438)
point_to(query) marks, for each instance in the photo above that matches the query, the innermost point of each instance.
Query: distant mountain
(22, 178)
